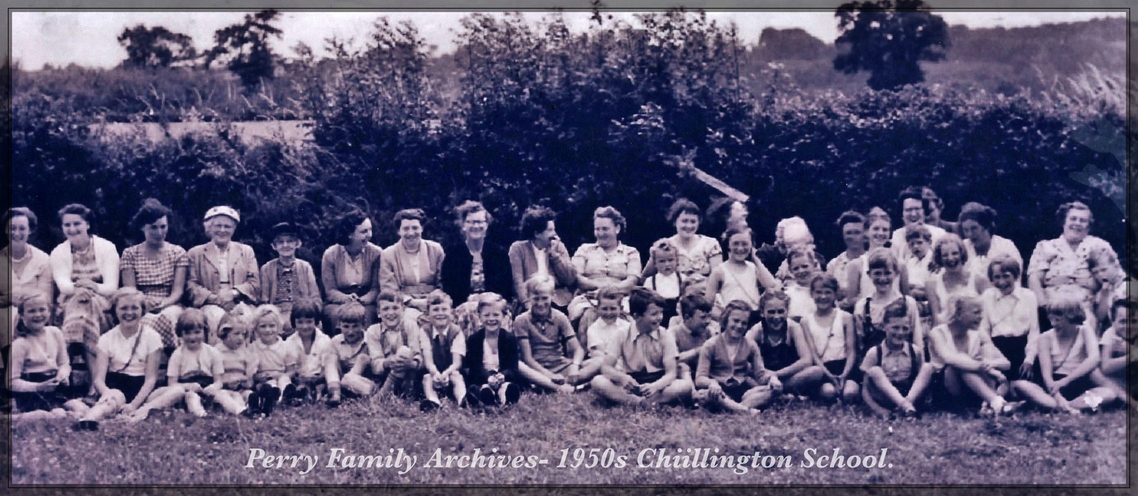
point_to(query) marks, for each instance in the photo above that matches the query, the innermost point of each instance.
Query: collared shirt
(346, 354)
(897, 364)
(238, 364)
(686, 341)
(1011, 315)
(1065, 270)
(206, 360)
(546, 336)
(694, 263)
(312, 361)
(274, 358)
(643, 352)
(594, 262)
(384, 343)
(901, 247)
(446, 344)
(600, 334)
(155, 277)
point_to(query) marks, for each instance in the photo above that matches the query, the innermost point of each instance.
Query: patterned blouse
(1064, 270)
(595, 263)
(155, 278)
(694, 264)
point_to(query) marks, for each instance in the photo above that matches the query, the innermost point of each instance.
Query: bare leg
(230, 401)
(429, 391)
(459, 386)
(1105, 393)
(590, 369)
(537, 378)
(757, 397)
(194, 404)
(806, 379)
(677, 390)
(921, 383)
(850, 391)
(1035, 394)
(358, 384)
(606, 389)
(876, 379)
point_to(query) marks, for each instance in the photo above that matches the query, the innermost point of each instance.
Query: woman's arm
(252, 280)
(61, 268)
(328, 276)
(1035, 284)
(177, 290)
(108, 262)
(373, 269)
(150, 379)
(517, 269)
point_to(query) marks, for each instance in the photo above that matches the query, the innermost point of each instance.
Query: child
(953, 278)
(835, 344)
(348, 359)
(39, 361)
(277, 361)
(541, 332)
(783, 345)
(919, 239)
(448, 347)
(1115, 341)
(396, 347)
(966, 359)
(692, 331)
(287, 279)
(739, 277)
(610, 325)
(869, 312)
(1010, 316)
(803, 267)
(860, 284)
(1111, 280)
(730, 374)
(312, 345)
(640, 365)
(1068, 363)
(195, 370)
(491, 362)
(895, 370)
(666, 282)
(238, 367)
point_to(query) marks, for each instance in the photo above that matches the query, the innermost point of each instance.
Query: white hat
(223, 210)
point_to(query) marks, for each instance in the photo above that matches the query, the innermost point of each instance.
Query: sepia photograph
(865, 243)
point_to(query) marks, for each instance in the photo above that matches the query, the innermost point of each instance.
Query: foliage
(889, 39)
(155, 47)
(247, 47)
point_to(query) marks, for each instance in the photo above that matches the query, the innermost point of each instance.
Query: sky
(88, 38)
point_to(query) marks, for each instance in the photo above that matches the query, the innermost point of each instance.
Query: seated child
(277, 361)
(640, 365)
(491, 362)
(542, 333)
(895, 371)
(919, 239)
(965, 358)
(730, 375)
(448, 346)
(1068, 363)
(802, 268)
(607, 327)
(739, 278)
(869, 311)
(348, 360)
(666, 282)
(39, 362)
(1111, 280)
(195, 370)
(690, 332)
(313, 347)
(287, 279)
(784, 347)
(238, 367)
(831, 330)
(1011, 318)
(395, 345)
(1115, 341)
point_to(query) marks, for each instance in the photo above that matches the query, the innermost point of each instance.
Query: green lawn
(940, 448)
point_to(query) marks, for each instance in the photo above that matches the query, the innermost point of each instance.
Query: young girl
(348, 360)
(491, 362)
(895, 371)
(869, 312)
(666, 282)
(448, 346)
(313, 347)
(1010, 316)
(195, 369)
(803, 267)
(396, 347)
(1068, 363)
(954, 278)
(1115, 341)
(126, 366)
(967, 358)
(39, 361)
(835, 344)
(739, 278)
(238, 367)
(277, 361)
(730, 374)
(783, 345)
(919, 265)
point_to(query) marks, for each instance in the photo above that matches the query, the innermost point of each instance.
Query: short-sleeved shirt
(274, 358)
(46, 352)
(118, 350)
(346, 354)
(721, 361)
(594, 262)
(206, 360)
(545, 336)
(155, 278)
(639, 352)
(897, 364)
(694, 263)
(237, 364)
(978, 347)
(1064, 270)
(445, 345)
(1011, 315)
(384, 343)
(311, 362)
(600, 334)
(901, 247)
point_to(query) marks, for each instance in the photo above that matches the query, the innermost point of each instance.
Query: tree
(889, 39)
(155, 47)
(247, 46)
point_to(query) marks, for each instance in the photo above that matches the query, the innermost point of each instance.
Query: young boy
(1010, 316)
(348, 358)
(277, 361)
(312, 345)
(896, 373)
(448, 346)
(869, 311)
(666, 282)
(603, 330)
(1111, 280)
(691, 332)
(491, 365)
(1122, 334)
(239, 366)
(640, 365)
(919, 239)
(541, 332)
(286, 279)
(396, 347)
(802, 267)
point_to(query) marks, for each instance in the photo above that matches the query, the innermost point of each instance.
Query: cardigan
(305, 280)
(106, 258)
(204, 279)
(475, 372)
(335, 257)
(394, 272)
(455, 274)
(523, 265)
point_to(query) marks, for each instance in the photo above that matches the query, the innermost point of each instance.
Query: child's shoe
(511, 392)
(486, 396)
(428, 406)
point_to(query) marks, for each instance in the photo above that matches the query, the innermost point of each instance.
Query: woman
(222, 272)
(411, 266)
(541, 252)
(954, 278)
(604, 264)
(350, 269)
(852, 225)
(29, 268)
(696, 254)
(157, 269)
(475, 266)
(976, 223)
(1059, 267)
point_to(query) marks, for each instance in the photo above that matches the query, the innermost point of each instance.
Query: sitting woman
(411, 267)
(976, 223)
(1060, 268)
(126, 368)
(604, 264)
(29, 270)
(541, 252)
(223, 272)
(695, 254)
(158, 269)
(476, 265)
(350, 269)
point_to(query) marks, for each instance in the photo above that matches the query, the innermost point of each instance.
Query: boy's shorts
(837, 366)
(647, 377)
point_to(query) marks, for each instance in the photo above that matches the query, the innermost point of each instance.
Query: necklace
(27, 253)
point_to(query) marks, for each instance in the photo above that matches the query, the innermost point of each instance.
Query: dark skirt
(38, 400)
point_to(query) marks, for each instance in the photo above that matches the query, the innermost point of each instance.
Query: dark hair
(928, 194)
(347, 224)
(732, 306)
(898, 309)
(850, 217)
(535, 220)
(352, 312)
(76, 209)
(388, 296)
(981, 214)
(471, 207)
(611, 214)
(409, 214)
(149, 213)
(438, 297)
(1120, 303)
(191, 318)
(305, 308)
(683, 206)
(693, 302)
(914, 193)
(641, 298)
(738, 230)
(21, 212)
(1066, 208)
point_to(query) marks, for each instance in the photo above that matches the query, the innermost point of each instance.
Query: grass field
(940, 448)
